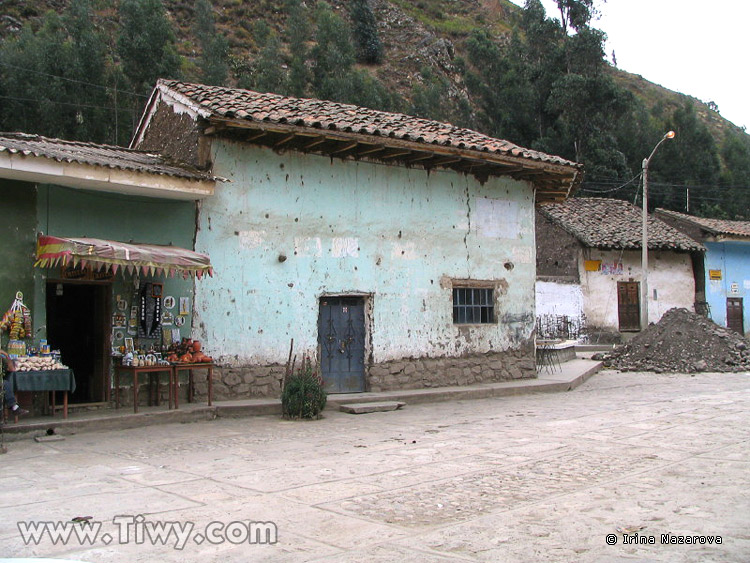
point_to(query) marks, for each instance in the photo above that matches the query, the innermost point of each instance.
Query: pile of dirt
(682, 342)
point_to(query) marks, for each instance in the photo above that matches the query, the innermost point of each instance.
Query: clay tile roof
(319, 114)
(92, 154)
(614, 224)
(713, 226)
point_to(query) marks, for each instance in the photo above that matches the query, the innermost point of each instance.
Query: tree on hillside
(214, 60)
(691, 159)
(429, 99)
(576, 14)
(297, 34)
(56, 81)
(146, 44)
(503, 90)
(333, 54)
(369, 47)
(734, 189)
(267, 74)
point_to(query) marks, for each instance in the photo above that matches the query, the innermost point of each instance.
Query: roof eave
(553, 181)
(42, 170)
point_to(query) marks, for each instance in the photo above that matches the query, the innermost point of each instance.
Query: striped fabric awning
(110, 255)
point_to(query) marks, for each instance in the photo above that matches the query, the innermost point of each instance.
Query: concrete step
(364, 408)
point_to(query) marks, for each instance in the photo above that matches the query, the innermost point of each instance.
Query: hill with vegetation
(82, 69)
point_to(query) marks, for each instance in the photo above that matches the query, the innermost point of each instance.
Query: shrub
(303, 395)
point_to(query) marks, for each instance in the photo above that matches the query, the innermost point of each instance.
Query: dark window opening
(473, 305)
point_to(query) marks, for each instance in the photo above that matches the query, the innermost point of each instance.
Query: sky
(696, 48)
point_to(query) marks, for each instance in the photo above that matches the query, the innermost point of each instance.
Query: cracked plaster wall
(340, 227)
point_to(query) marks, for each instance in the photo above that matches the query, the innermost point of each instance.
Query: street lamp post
(644, 241)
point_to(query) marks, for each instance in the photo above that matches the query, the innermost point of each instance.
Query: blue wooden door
(341, 333)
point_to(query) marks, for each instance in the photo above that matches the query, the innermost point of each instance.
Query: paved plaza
(629, 459)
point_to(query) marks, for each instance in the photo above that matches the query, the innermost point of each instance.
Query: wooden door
(735, 313)
(629, 305)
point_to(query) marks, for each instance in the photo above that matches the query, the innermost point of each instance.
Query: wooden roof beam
(371, 151)
(315, 143)
(420, 158)
(444, 161)
(285, 140)
(345, 148)
(255, 137)
(394, 155)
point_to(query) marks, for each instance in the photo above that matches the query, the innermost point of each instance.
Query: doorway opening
(78, 325)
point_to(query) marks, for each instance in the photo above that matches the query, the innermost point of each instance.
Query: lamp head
(669, 135)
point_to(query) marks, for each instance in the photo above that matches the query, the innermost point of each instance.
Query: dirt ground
(541, 477)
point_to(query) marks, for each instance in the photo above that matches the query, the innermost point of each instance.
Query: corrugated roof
(614, 224)
(713, 226)
(93, 154)
(246, 105)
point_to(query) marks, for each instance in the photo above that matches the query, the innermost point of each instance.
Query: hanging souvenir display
(149, 325)
(17, 319)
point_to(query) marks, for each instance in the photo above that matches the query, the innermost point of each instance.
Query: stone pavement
(545, 477)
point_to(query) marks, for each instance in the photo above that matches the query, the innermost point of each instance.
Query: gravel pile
(681, 342)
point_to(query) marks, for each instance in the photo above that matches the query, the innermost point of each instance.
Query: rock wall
(247, 382)
(419, 373)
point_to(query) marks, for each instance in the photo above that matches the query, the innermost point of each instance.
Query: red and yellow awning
(109, 255)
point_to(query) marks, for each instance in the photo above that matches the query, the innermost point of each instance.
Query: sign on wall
(714, 274)
(592, 265)
(614, 268)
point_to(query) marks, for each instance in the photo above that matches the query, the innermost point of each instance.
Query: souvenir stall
(123, 309)
(38, 368)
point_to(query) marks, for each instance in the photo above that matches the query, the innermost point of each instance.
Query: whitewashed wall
(670, 274)
(555, 298)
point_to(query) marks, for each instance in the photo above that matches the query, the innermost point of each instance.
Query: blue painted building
(725, 273)
(397, 252)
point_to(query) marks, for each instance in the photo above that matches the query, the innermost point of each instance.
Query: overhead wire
(73, 80)
(110, 108)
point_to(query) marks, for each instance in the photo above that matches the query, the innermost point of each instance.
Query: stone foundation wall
(245, 382)
(419, 373)
(248, 382)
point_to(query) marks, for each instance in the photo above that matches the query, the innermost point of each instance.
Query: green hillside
(484, 64)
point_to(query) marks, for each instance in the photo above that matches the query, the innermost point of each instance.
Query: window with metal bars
(473, 305)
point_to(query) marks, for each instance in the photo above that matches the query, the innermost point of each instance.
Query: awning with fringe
(110, 255)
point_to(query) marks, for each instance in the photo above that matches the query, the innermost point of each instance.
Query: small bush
(303, 395)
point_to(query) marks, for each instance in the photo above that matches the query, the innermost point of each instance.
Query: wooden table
(45, 380)
(134, 371)
(175, 386)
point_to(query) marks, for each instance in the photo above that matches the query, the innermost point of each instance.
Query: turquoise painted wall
(394, 233)
(17, 242)
(733, 259)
